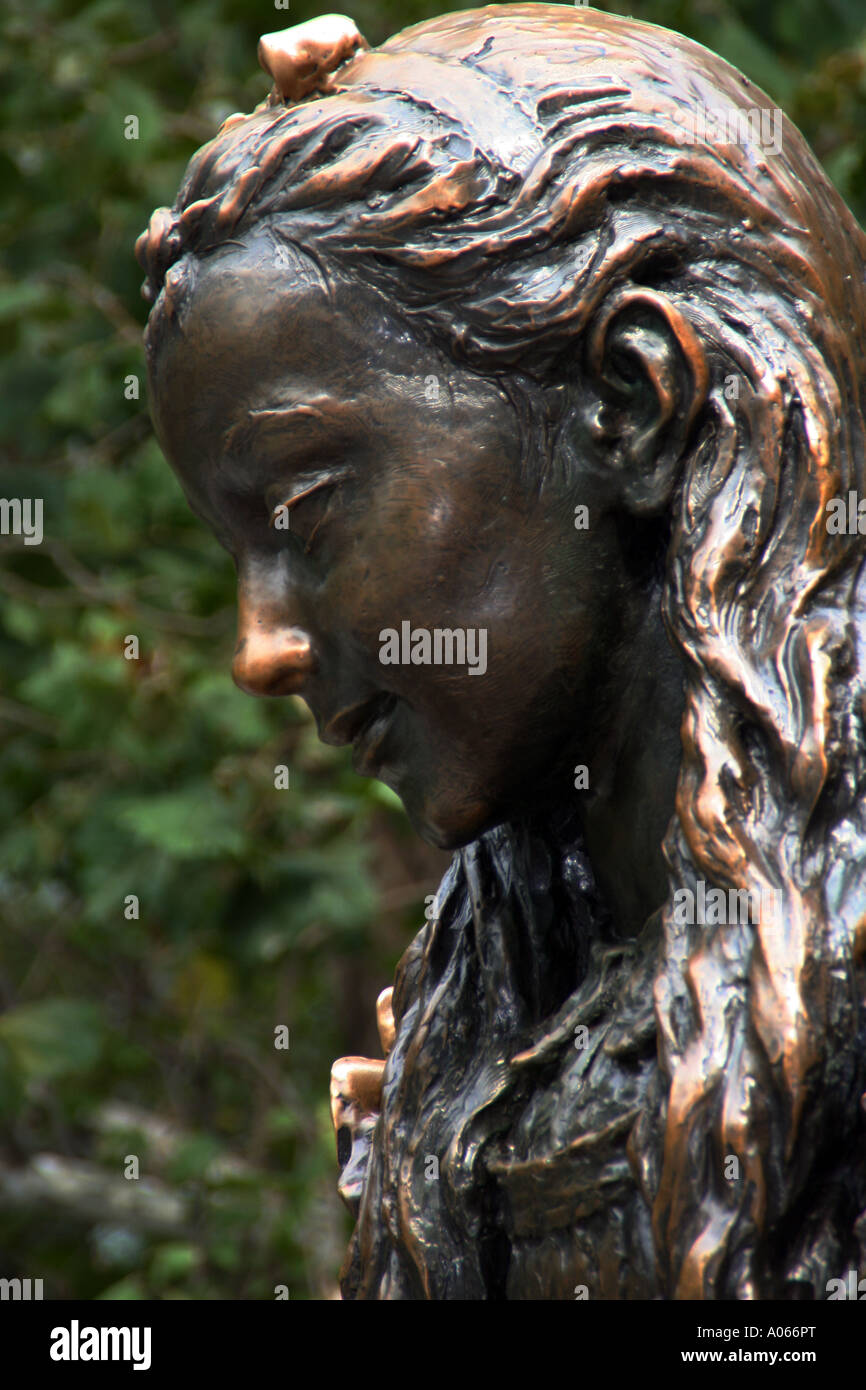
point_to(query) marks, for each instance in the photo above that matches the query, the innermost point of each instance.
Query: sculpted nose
(271, 657)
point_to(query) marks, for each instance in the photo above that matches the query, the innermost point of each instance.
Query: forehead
(260, 321)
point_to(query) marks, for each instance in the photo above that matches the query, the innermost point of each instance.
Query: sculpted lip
(356, 724)
(369, 737)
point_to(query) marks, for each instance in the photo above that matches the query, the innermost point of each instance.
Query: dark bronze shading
(522, 342)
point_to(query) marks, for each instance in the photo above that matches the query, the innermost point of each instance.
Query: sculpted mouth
(353, 724)
(369, 739)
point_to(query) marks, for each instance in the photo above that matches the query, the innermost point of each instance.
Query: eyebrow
(306, 417)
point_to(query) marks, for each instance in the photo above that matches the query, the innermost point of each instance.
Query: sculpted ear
(652, 374)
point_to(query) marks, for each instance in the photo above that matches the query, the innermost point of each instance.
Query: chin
(444, 822)
(439, 836)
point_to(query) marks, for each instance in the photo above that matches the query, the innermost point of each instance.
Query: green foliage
(54, 1038)
(152, 1036)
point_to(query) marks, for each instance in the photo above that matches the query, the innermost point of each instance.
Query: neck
(633, 777)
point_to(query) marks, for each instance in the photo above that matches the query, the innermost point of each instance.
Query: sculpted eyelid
(293, 501)
(332, 480)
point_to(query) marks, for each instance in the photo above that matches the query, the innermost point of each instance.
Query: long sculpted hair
(509, 178)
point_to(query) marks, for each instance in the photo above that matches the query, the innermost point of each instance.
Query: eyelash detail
(312, 536)
(315, 489)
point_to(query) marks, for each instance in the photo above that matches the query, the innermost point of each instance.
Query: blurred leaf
(193, 1158)
(130, 1288)
(191, 824)
(204, 983)
(171, 1262)
(54, 1038)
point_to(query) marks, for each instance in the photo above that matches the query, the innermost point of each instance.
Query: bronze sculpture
(523, 324)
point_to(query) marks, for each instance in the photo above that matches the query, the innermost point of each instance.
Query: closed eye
(289, 503)
(313, 502)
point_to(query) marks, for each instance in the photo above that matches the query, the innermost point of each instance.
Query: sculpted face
(394, 478)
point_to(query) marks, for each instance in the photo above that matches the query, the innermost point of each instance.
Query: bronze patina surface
(543, 327)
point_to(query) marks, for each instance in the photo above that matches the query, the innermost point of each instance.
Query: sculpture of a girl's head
(505, 345)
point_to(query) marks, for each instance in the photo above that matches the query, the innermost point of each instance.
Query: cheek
(420, 561)
(432, 561)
